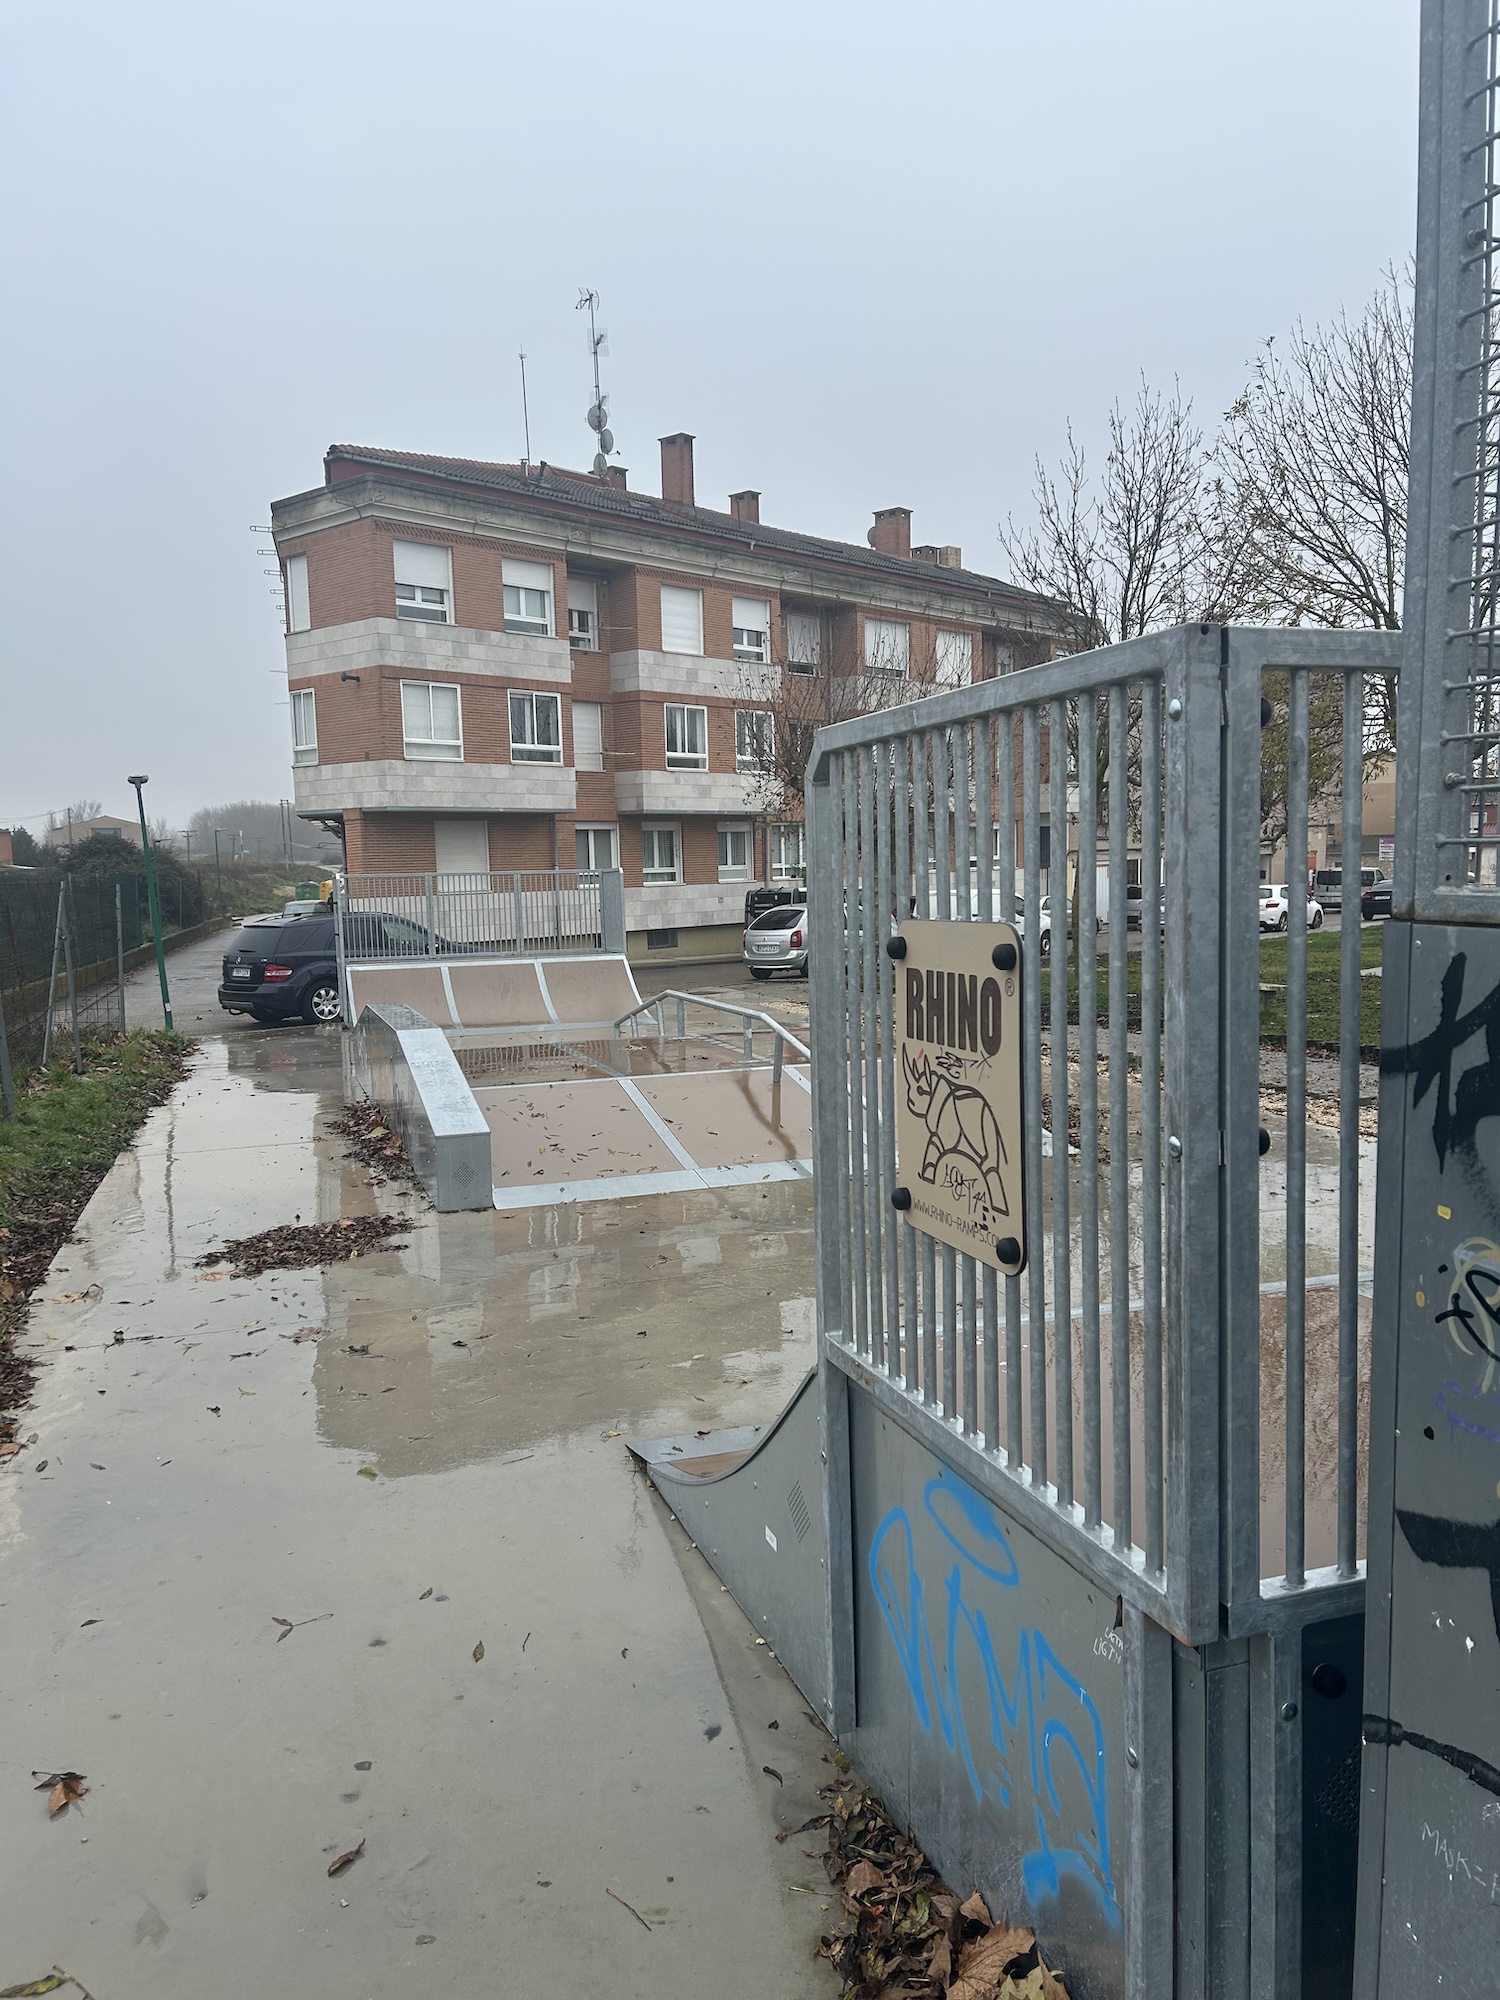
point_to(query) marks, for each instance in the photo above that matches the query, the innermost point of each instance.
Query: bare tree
(81, 809)
(1312, 464)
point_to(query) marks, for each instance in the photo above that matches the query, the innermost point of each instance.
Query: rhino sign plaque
(958, 1087)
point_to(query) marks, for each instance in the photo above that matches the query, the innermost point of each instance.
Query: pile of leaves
(375, 1145)
(296, 1246)
(906, 1935)
(66, 1135)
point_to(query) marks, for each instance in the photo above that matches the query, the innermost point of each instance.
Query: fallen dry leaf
(367, 1472)
(48, 1985)
(479, 1651)
(62, 1788)
(284, 1623)
(977, 1911)
(10, 1450)
(87, 1622)
(773, 1773)
(337, 1867)
(863, 1877)
(425, 1594)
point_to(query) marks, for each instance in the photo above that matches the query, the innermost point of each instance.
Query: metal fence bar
(1005, 884)
(72, 971)
(901, 790)
(968, 1273)
(1036, 1283)
(1350, 991)
(947, 903)
(1152, 940)
(1119, 1108)
(984, 855)
(853, 1057)
(7, 1078)
(890, 1233)
(1057, 1048)
(57, 934)
(927, 1253)
(120, 954)
(871, 958)
(1088, 1095)
(1296, 1129)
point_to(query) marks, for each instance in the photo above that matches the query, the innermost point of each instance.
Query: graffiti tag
(1458, 1108)
(1037, 1728)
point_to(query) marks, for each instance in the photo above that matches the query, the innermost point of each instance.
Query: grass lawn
(1322, 988)
(65, 1136)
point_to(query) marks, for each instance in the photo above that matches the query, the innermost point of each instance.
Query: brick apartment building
(508, 667)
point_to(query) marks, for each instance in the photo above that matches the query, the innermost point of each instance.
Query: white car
(1276, 908)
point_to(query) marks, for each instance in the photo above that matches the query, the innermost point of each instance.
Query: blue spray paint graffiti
(1038, 1723)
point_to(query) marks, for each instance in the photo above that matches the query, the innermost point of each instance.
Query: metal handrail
(748, 1015)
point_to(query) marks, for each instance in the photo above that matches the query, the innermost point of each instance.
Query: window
(528, 597)
(804, 641)
(734, 853)
(535, 729)
(460, 846)
(596, 848)
(754, 739)
(681, 620)
(887, 646)
(658, 854)
(687, 738)
(752, 628)
(298, 614)
(304, 727)
(430, 719)
(787, 862)
(588, 736)
(583, 613)
(424, 582)
(955, 659)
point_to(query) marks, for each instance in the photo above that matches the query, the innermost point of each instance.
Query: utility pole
(152, 898)
(218, 872)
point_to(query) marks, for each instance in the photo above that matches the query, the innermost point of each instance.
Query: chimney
(891, 534)
(745, 506)
(616, 476)
(945, 555)
(677, 468)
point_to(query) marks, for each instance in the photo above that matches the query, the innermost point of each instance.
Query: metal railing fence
(520, 912)
(749, 1019)
(63, 939)
(1133, 1392)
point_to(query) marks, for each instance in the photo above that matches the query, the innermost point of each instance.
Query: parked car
(1044, 925)
(776, 941)
(1375, 900)
(1276, 909)
(279, 969)
(1135, 902)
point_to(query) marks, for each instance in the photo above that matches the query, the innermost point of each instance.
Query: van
(1328, 885)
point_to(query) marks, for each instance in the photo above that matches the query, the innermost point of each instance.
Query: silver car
(776, 941)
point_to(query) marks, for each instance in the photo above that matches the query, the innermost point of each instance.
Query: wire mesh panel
(1449, 868)
(1171, 1261)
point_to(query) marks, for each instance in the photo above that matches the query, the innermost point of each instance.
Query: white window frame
(527, 747)
(585, 831)
(527, 589)
(751, 629)
(801, 625)
(748, 755)
(652, 874)
(583, 635)
(298, 607)
(954, 662)
(444, 749)
(418, 594)
(304, 726)
(781, 835)
(595, 757)
(680, 591)
(684, 759)
(729, 831)
(888, 647)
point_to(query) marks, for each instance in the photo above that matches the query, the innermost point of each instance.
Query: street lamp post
(153, 900)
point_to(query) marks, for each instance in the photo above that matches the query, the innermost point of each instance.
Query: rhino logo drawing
(961, 1128)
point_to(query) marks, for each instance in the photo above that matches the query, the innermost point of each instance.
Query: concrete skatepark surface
(203, 1479)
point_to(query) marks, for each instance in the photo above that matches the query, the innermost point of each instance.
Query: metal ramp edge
(750, 1498)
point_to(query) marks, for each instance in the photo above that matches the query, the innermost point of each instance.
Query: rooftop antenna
(525, 415)
(598, 416)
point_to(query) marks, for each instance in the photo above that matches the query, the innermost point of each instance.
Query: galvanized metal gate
(1430, 1837)
(1137, 1408)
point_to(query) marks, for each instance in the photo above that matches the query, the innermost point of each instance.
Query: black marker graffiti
(1456, 1545)
(1381, 1729)
(1457, 1112)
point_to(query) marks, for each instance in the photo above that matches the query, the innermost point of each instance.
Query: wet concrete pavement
(209, 1474)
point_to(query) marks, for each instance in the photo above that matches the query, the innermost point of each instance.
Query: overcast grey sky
(871, 255)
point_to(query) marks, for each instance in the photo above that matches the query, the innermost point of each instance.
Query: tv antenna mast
(598, 415)
(525, 415)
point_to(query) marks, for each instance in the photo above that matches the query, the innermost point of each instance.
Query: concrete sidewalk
(204, 1477)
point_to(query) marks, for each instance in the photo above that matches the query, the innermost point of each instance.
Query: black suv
(278, 968)
(1375, 900)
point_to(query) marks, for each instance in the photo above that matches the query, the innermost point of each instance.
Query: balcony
(412, 784)
(417, 648)
(665, 794)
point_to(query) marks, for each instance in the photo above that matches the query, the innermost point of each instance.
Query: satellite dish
(606, 440)
(601, 465)
(598, 415)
